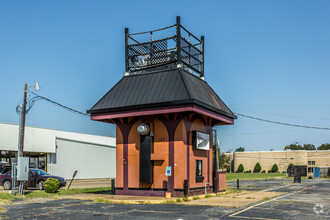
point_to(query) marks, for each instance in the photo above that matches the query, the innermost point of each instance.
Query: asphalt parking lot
(308, 200)
(262, 184)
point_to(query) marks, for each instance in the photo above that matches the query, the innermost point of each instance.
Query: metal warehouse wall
(91, 160)
(36, 139)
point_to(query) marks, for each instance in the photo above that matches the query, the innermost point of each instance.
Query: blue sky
(268, 59)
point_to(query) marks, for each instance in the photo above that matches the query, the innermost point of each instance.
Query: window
(40, 172)
(310, 169)
(311, 162)
(52, 158)
(199, 171)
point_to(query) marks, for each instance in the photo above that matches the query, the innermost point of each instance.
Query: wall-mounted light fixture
(143, 129)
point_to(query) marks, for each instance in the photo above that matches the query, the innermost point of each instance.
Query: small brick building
(164, 112)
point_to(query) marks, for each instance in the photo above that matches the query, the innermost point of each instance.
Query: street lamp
(22, 108)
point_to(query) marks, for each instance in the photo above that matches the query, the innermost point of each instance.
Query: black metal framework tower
(163, 50)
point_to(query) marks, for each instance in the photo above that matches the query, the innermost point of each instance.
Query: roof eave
(108, 116)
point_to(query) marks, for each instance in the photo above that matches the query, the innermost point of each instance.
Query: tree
(309, 147)
(290, 168)
(274, 168)
(293, 147)
(240, 149)
(257, 168)
(224, 161)
(324, 147)
(240, 168)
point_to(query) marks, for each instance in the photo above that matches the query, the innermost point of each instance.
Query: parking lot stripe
(253, 217)
(261, 203)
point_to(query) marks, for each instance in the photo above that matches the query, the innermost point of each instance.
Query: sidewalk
(117, 198)
(237, 199)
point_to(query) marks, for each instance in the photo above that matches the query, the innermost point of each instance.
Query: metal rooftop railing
(162, 49)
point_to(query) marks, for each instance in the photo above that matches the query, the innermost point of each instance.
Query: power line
(280, 115)
(264, 132)
(38, 97)
(271, 158)
(282, 123)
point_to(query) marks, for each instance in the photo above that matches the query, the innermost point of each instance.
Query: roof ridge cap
(206, 83)
(220, 99)
(185, 85)
(191, 74)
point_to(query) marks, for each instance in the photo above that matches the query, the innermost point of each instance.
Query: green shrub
(171, 201)
(274, 168)
(196, 197)
(264, 171)
(240, 168)
(208, 196)
(179, 200)
(291, 165)
(310, 177)
(269, 171)
(257, 168)
(52, 185)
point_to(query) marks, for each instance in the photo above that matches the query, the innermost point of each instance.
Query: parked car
(4, 167)
(36, 179)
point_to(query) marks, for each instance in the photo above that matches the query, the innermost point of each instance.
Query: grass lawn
(248, 176)
(29, 194)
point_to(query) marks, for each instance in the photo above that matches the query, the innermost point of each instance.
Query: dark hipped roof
(163, 88)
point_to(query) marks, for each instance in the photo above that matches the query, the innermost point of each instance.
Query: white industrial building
(61, 153)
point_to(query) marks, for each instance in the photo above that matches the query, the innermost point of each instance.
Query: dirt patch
(235, 199)
(128, 199)
(90, 183)
(240, 199)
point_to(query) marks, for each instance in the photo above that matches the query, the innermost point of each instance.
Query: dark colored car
(36, 179)
(5, 168)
